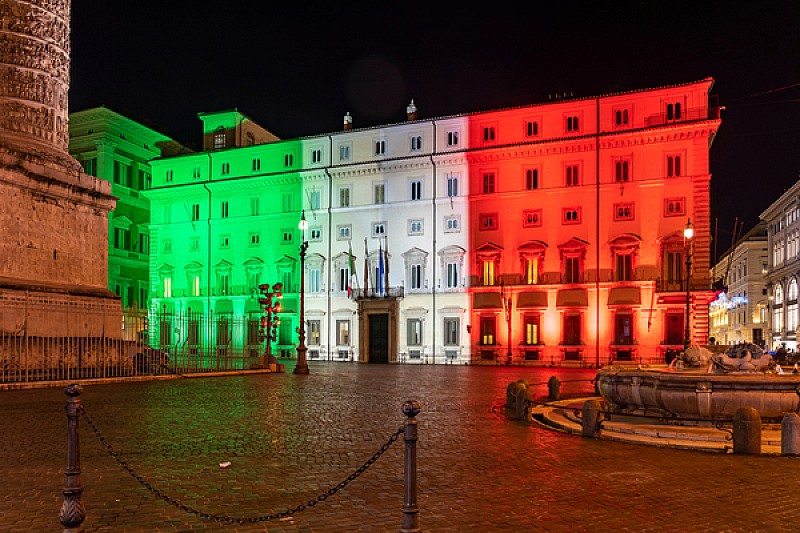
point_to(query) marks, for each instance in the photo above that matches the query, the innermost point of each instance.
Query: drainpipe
(330, 246)
(597, 238)
(435, 258)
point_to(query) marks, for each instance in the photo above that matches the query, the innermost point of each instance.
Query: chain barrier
(226, 519)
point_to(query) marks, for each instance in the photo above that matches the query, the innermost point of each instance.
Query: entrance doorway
(378, 338)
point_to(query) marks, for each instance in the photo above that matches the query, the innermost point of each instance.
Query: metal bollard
(590, 418)
(411, 409)
(790, 434)
(72, 512)
(554, 388)
(746, 431)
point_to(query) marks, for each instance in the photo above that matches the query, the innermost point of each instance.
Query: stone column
(34, 67)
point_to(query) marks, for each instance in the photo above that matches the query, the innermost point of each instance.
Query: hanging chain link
(226, 519)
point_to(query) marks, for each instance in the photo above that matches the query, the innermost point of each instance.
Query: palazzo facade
(547, 234)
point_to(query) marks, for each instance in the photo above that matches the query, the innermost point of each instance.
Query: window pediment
(574, 247)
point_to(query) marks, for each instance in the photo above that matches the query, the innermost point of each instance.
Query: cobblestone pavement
(290, 438)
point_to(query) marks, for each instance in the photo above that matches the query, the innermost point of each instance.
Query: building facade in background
(548, 234)
(783, 241)
(740, 312)
(117, 149)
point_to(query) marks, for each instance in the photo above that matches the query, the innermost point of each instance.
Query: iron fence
(51, 340)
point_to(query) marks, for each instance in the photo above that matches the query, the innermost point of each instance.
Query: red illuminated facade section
(577, 210)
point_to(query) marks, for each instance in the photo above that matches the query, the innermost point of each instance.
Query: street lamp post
(271, 305)
(302, 364)
(688, 234)
(506, 297)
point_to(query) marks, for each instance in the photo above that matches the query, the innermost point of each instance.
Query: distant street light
(688, 235)
(302, 365)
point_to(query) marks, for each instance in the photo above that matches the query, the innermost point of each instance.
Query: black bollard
(554, 388)
(410, 511)
(72, 512)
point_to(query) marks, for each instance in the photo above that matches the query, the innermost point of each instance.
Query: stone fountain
(705, 385)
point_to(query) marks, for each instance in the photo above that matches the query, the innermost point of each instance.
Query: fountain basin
(697, 394)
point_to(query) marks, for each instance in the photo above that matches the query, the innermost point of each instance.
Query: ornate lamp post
(302, 365)
(505, 295)
(271, 305)
(688, 234)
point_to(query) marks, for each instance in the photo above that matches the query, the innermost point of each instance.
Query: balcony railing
(687, 115)
(393, 292)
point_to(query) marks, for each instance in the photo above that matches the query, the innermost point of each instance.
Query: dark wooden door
(379, 338)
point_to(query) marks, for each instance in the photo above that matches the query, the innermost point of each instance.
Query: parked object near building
(575, 208)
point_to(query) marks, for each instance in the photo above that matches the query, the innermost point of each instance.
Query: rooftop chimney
(411, 111)
(348, 122)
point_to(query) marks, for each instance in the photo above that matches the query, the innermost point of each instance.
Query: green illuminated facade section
(117, 149)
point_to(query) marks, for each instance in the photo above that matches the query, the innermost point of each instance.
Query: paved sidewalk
(290, 438)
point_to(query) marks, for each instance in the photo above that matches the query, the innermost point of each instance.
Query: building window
(196, 173)
(414, 332)
(572, 269)
(674, 207)
(452, 138)
(571, 215)
(316, 156)
(379, 193)
(623, 329)
(415, 227)
(226, 169)
(144, 243)
(378, 229)
(488, 134)
(452, 275)
(621, 117)
(145, 180)
(674, 111)
(416, 276)
(314, 332)
(488, 272)
(255, 239)
(622, 170)
(288, 235)
(219, 138)
(531, 128)
(623, 266)
(167, 287)
(169, 176)
(488, 333)
(342, 332)
(572, 330)
(488, 222)
(572, 126)
(572, 175)
(452, 185)
(416, 143)
(623, 211)
(122, 238)
(122, 173)
(254, 207)
(288, 160)
(344, 152)
(344, 278)
(343, 232)
(416, 189)
(532, 218)
(530, 329)
(452, 327)
(224, 241)
(531, 268)
(256, 165)
(167, 246)
(344, 196)
(314, 199)
(194, 244)
(314, 279)
(488, 182)
(452, 224)
(674, 166)
(531, 178)
(223, 208)
(380, 147)
(195, 212)
(90, 166)
(315, 233)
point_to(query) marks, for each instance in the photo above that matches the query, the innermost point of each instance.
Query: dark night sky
(297, 67)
